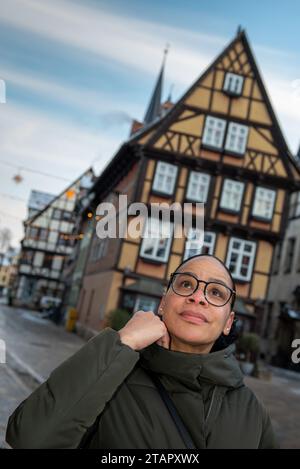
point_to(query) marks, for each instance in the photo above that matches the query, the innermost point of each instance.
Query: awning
(241, 309)
(145, 287)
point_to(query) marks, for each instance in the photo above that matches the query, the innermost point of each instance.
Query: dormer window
(233, 84)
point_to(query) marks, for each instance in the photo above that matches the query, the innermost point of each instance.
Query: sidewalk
(35, 345)
(281, 397)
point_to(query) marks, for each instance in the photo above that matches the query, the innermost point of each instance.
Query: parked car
(48, 302)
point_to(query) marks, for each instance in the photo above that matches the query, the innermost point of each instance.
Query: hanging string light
(18, 178)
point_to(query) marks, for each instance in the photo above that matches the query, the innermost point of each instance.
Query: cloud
(83, 99)
(131, 42)
(51, 143)
(137, 45)
(33, 140)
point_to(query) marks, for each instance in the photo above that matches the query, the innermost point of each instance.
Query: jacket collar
(193, 370)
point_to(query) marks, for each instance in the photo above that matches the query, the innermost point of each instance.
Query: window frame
(291, 243)
(205, 132)
(157, 186)
(57, 214)
(221, 202)
(189, 242)
(277, 255)
(294, 205)
(189, 195)
(226, 89)
(254, 203)
(234, 150)
(155, 258)
(140, 298)
(241, 253)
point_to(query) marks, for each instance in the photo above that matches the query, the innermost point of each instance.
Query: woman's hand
(143, 329)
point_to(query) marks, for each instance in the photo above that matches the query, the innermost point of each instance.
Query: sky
(78, 71)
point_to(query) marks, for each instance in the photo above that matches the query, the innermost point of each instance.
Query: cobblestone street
(36, 346)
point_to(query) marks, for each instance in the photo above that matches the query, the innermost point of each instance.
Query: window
(197, 245)
(209, 243)
(264, 203)
(233, 83)
(198, 186)
(156, 240)
(63, 240)
(33, 233)
(236, 139)
(99, 249)
(240, 258)
(47, 264)
(214, 131)
(276, 258)
(57, 214)
(27, 257)
(145, 303)
(67, 216)
(128, 301)
(43, 234)
(289, 256)
(294, 210)
(38, 259)
(57, 262)
(165, 177)
(232, 194)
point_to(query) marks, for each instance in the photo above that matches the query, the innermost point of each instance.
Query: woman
(108, 378)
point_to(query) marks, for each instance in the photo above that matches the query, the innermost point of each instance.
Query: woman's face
(190, 333)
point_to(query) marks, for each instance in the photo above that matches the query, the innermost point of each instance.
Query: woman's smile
(192, 316)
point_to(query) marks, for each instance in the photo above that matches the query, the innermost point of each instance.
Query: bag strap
(172, 409)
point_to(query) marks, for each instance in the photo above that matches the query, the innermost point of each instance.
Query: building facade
(282, 319)
(8, 270)
(221, 145)
(47, 242)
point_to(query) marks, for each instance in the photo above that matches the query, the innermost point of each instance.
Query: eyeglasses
(185, 284)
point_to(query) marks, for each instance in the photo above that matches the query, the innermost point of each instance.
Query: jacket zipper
(211, 404)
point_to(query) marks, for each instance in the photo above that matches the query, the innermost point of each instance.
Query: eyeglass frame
(173, 274)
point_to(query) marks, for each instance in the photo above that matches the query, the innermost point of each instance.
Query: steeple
(154, 108)
(298, 156)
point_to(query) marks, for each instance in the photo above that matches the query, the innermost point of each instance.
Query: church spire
(298, 155)
(154, 108)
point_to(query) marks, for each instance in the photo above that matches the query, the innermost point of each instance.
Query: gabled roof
(31, 220)
(156, 128)
(145, 136)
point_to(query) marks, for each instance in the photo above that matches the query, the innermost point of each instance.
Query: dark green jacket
(107, 377)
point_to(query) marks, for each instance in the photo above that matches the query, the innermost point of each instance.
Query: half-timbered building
(48, 240)
(220, 144)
